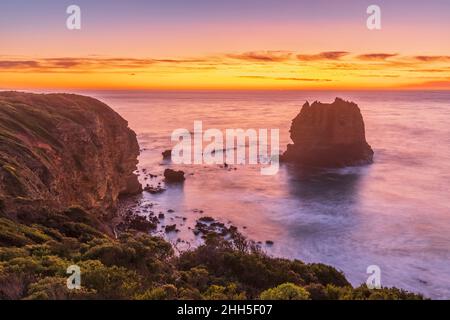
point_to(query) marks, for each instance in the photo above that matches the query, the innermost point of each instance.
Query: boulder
(167, 154)
(328, 135)
(171, 228)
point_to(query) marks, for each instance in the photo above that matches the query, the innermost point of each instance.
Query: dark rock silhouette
(154, 190)
(174, 176)
(328, 135)
(171, 228)
(167, 154)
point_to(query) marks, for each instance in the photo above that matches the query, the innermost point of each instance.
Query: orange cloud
(327, 55)
(48, 64)
(376, 56)
(262, 56)
(12, 64)
(433, 58)
(285, 78)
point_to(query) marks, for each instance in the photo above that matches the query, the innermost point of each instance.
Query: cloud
(182, 60)
(262, 56)
(379, 75)
(432, 58)
(61, 62)
(327, 55)
(286, 78)
(12, 64)
(101, 64)
(376, 56)
(430, 70)
(73, 64)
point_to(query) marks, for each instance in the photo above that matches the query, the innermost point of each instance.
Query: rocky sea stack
(328, 135)
(63, 150)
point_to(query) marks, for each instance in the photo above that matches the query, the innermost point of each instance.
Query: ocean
(394, 213)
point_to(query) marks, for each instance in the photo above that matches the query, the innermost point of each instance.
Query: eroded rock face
(329, 135)
(60, 150)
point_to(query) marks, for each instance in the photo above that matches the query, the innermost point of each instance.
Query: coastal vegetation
(34, 256)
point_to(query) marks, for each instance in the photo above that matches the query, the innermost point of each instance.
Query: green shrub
(363, 292)
(197, 277)
(81, 231)
(165, 292)
(229, 292)
(316, 291)
(254, 270)
(16, 234)
(55, 288)
(328, 275)
(111, 254)
(109, 282)
(8, 253)
(285, 291)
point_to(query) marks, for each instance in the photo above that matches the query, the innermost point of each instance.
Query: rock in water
(167, 154)
(174, 176)
(328, 135)
(60, 150)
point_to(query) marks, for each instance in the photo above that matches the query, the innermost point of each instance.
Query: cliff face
(60, 150)
(329, 135)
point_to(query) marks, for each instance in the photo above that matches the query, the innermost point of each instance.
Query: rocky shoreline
(65, 161)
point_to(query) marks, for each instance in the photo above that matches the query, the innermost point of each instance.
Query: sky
(233, 44)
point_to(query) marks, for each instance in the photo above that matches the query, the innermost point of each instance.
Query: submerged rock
(154, 190)
(174, 176)
(170, 228)
(328, 135)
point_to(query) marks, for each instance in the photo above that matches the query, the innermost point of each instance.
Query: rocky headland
(63, 150)
(328, 135)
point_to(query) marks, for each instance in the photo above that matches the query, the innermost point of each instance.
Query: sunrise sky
(233, 44)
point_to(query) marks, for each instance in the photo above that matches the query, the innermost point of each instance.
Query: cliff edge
(63, 150)
(328, 135)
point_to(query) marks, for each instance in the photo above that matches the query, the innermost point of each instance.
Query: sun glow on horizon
(175, 45)
(248, 70)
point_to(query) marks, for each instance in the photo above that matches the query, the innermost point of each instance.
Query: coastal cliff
(328, 135)
(63, 150)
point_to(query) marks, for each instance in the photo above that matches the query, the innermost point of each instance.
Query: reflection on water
(322, 185)
(394, 213)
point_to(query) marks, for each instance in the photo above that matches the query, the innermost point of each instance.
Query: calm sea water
(394, 213)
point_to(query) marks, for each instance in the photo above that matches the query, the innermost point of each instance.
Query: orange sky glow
(323, 49)
(247, 70)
